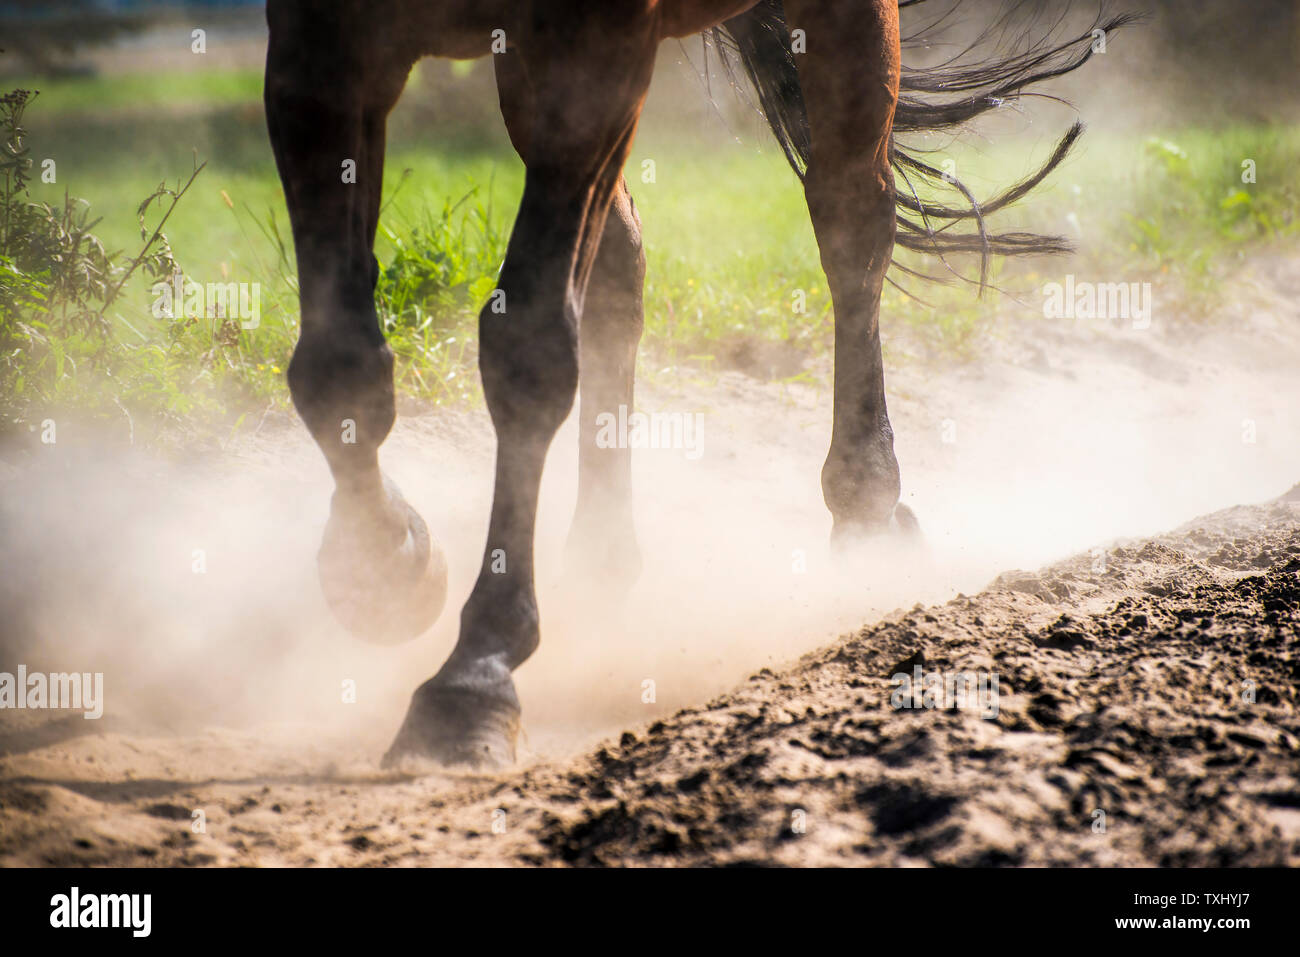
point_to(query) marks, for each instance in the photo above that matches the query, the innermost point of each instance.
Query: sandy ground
(1145, 707)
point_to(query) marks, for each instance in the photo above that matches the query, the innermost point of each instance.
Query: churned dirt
(737, 710)
(1146, 715)
(1160, 692)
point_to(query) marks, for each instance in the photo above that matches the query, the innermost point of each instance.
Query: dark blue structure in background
(46, 9)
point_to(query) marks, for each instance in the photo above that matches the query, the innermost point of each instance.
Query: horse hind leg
(602, 551)
(850, 78)
(602, 547)
(382, 575)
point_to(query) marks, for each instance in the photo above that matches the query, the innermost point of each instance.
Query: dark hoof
(383, 587)
(456, 726)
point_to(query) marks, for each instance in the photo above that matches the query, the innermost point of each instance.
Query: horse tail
(943, 97)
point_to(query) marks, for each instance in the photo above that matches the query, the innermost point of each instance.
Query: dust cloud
(191, 582)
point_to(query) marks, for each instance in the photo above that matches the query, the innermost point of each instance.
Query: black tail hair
(760, 39)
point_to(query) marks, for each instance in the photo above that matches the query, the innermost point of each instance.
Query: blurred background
(120, 102)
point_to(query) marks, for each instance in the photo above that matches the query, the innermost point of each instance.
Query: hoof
(456, 726)
(384, 592)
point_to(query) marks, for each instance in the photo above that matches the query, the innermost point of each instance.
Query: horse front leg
(329, 87)
(588, 72)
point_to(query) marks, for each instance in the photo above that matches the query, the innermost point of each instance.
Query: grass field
(727, 235)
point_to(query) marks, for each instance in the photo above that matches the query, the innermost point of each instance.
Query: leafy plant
(444, 263)
(57, 279)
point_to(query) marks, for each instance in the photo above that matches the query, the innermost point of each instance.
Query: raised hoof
(385, 589)
(455, 726)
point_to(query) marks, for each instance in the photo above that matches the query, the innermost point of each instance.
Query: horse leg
(602, 546)
(850, 77)
(329, 86)
(589, 67)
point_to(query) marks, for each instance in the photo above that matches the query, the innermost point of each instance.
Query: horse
(566, 316)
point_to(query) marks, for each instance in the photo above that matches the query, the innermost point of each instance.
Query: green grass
(728, 239)
(144, 92)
